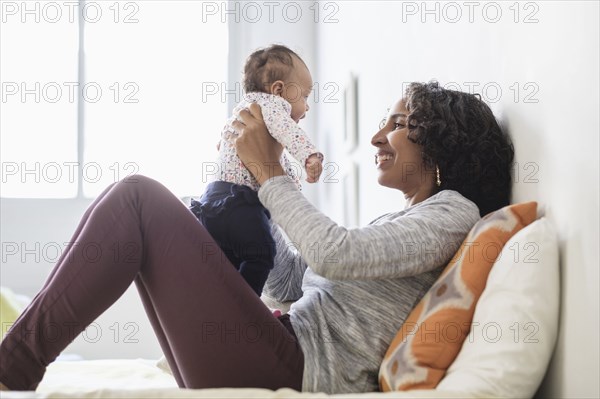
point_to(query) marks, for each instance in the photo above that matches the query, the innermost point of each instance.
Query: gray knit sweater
(360, 284)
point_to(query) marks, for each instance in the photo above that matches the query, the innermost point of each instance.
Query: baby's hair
(267, 65)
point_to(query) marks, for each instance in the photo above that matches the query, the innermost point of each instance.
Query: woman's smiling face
(398, 159)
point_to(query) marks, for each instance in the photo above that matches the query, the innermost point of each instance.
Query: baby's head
(280, 71)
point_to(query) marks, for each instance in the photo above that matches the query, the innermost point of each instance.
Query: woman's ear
(277, 87)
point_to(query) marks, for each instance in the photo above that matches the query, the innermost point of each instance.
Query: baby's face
(297, 89)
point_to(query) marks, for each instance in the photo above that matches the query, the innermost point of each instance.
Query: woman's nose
(379, 138)
(307, 107)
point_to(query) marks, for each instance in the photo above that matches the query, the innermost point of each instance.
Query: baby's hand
(314, 168)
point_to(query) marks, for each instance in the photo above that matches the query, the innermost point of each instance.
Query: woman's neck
(418, 195)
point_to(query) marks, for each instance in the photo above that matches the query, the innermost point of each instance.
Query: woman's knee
(141, 182)
(138, 179)
(139, 186)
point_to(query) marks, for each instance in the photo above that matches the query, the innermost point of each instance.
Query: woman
(354, 288)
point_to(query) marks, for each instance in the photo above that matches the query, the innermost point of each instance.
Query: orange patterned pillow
(433, 333)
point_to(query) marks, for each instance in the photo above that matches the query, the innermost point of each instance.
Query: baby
(279, 81)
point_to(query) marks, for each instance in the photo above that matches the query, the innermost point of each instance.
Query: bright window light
(38, 104)
(145, 109)
(152, 118)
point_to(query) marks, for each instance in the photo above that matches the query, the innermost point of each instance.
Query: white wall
(556, 139)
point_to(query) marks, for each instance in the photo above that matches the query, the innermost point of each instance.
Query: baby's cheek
(296, 112)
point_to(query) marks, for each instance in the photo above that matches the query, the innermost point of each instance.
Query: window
(139, 105)
(38, 123)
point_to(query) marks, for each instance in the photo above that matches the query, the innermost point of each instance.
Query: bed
(141, 378)
(519, 291)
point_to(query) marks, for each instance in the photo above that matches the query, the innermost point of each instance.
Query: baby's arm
(284, 129)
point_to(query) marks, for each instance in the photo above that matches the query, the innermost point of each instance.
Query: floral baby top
(276, 113)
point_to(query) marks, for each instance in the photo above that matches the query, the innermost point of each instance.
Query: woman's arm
(419, 241)
(415, 243)
(285, 279)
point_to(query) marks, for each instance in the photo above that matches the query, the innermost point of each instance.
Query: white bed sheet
(141, 378)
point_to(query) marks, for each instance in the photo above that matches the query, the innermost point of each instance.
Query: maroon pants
(213, 329)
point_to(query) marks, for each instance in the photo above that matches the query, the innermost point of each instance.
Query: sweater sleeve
(285, 279)
(419, 241)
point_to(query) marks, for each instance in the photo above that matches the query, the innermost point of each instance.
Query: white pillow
(515, 323)
(163, 364)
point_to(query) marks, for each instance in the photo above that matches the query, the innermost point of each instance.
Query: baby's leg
(249, 234)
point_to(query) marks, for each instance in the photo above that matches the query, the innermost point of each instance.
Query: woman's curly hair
(459, 134)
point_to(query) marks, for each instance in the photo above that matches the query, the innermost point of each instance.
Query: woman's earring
(437, 173)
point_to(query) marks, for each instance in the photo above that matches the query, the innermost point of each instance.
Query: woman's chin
(383, 181)
(387, 181)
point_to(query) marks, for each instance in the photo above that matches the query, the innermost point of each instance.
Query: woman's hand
(257, 149)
